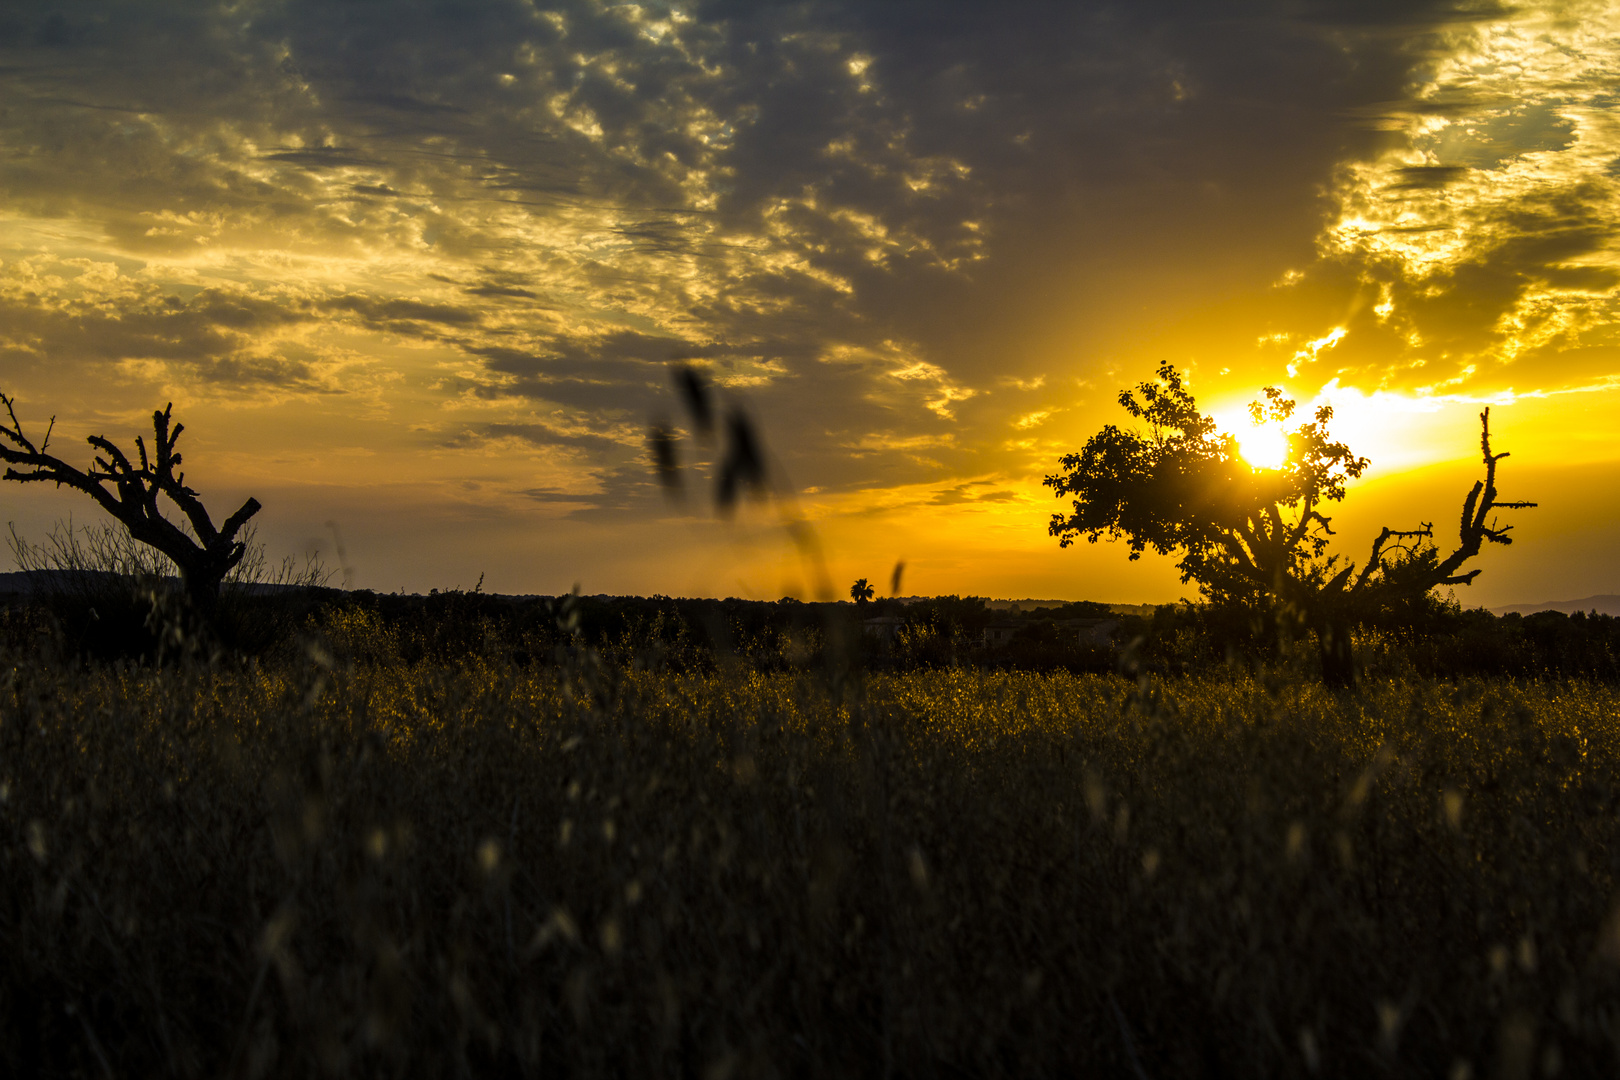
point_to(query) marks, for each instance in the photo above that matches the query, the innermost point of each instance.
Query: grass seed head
(37, 846)
(489, 855)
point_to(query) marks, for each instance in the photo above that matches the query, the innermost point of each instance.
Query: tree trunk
(1338, 656)
(203, 596)
(201, 584)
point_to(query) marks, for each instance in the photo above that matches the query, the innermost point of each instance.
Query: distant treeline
(1442, 640)
(105, 618)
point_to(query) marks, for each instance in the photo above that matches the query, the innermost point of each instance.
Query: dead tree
(1419, 567)
(129, 492)
(1406, 564)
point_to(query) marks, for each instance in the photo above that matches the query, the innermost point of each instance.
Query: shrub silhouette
(107, 596)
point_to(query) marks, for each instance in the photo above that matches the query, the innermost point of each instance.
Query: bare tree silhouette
(130, 493)
(1418, 566)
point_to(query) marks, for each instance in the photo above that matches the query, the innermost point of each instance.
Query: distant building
(1082, 632)
(882, 627)
(1092, 631)
(998, 634)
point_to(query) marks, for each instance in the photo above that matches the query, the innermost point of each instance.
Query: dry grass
(389, 870)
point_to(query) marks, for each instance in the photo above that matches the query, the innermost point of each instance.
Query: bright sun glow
(1394, 430)
(1265, 446)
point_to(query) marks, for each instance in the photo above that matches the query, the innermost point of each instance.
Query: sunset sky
(422, 270)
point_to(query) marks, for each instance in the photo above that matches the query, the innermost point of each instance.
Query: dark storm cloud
(861, 217)
(623, 373)
(558, 433)
(971, 493)
(609, 471)
(1428, 176)
(213, 335)
(614, 355)
(501, 290)
(320, 157)
(400, 315)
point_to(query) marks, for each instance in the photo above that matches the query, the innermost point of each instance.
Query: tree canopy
(1181, 487)
(1251, 536)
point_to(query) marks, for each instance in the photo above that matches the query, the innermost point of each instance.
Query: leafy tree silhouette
(1255, 537)
(130, 492)
(862, 592)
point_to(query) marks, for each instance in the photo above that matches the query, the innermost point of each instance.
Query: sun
(1264, 446)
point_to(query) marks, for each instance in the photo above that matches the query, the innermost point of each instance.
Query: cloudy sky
(421, 270)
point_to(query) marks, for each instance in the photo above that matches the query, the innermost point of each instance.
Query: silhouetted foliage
(861, 592)
(1255, 539)
(109, 597)
(662, 443)
(1183, 488)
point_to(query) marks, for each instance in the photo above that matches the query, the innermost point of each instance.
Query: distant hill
(1022, 605)
(55, 582)
(21, 583)
(1603, 605)
(1031, 605)
(1143, 610)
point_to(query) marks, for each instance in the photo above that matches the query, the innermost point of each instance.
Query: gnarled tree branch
(130, 492)
(1477, 528)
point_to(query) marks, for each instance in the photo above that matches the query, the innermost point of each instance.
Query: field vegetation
(472, 836)
(1321, 823)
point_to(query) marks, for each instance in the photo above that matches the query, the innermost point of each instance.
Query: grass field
(371, 868)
